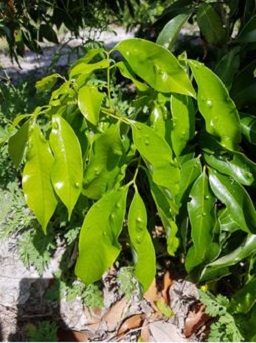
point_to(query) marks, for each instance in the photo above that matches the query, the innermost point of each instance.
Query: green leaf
(248, 32)
(210, 24)
(155, 65)
(87, 68)
(216, 106)
(248, 127)
(143, 249)
(203, 217)
(159, 119)
(220, 267)
(169, 34)
(105, 161)
(158, 156)
(228, 66)
(166, 210)
(234, 164)
(98, 241)
(244, 299)
(36, 179)
(183, 117)
(89, 103)
(190, 171)
(77, 67)
(46, 31)
(126, 72)
(67, 169)
(236, 199)
(17, 144)
(46, 83)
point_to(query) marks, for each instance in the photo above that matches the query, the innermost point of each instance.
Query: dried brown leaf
(167, 282)
(115, 314)
(195, 320)
(162, 331)
(152, 295)
(130, 323)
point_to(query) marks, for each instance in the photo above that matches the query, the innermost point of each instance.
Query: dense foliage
(176, 150)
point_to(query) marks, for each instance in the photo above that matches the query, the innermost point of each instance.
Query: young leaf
(105, 162)
(237, 200)
(158, 156)
(67, 169)
(216, 106)
(169, 34)
(89, 103)
(183, 117)
(155, 65)
(202, 216)
(17, 144)
(144, 252)
(87, 68)
(98, 241)
(36, 179)
(46, 83)
(220, 267)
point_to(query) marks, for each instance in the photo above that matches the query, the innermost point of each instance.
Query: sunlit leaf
(67, 169)
(36, 179)
(17, 144)
(143, 249)
(219, 111)
(98, 241)
(155, 65)
(89, 103)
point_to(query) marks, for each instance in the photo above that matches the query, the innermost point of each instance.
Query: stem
(133, 181)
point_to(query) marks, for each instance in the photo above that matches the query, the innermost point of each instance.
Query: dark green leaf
(155, 65)
(220, 267)
(143, 249)
(98, 241)
(46, 31)
(210, 24)
(216, 106)
(236, 199)
(248, 127)
(248, 32)
(203, 217)
(244, 299)
(169, 34)
(183, 117)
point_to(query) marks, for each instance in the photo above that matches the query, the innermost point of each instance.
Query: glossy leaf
(46, 83)
(166, 212)
(159, 119)
(17, 144)
(190, 171)
(155, 65)
(89, 103)
(158, 156)
(220, 267)
(248, 32)
(143, 249)
(98, 241)
(216, 106)
(126, 72)
(236, 199)
(236, 165)
(203, 217)
(169, 34)
(248, 127)
(36, 179)
(67, 169)
(183, 118)
(105, 162)
(210, 24)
